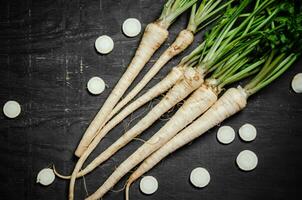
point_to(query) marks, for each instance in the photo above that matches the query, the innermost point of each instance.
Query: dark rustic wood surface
(46, 57)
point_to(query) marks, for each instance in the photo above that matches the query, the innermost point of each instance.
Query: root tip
(58, 174)
(129, 182)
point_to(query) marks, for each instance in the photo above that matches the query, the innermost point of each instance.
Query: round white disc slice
(200, 177)
(247, 160)
(96, 85)
(226, 134)
(46, 176)
(148, 185)
(104, 44)
(297, 83)
(11, 109)
(247, 132)
(132, 27)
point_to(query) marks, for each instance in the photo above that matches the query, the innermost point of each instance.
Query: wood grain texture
(47, 56)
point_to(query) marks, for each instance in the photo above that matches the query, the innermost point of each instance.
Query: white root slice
(247, 132)
(11, 109)
(96, 85)
(200, 177)
(297, 83)
(46, 177)
(132, 27)
(225, 135)
(247, 160)
(148, 185)
(104, 44)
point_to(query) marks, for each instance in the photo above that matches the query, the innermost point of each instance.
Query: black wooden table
(47, 56)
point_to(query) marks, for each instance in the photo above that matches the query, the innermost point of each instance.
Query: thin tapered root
(152, 39)
(58, 174)
(127, 189)
(80, 174)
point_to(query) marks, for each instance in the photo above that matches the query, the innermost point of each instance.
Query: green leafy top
(206, 13)
(239, 44)
(284, 40)
(287, 27)
(172, 9)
